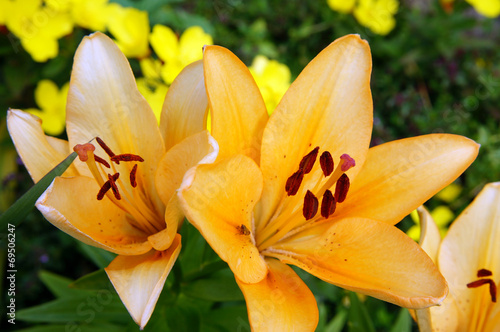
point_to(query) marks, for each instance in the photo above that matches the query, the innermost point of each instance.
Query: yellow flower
(257, 206)
(272, 78)
(38, 25)
(122, 198)
(468, 257)
(130, 27)
(154, 92)
(90, 14)
(177, 53)
(342, 6)
(52, 102)
(488, 8)
(377, 15)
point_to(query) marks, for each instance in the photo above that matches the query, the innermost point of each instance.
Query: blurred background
(436, 69)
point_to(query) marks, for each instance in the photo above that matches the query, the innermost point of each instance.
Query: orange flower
(468, 257)
(122, 198)
(268, 201)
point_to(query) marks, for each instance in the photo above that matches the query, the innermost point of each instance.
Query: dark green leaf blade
(20, 209)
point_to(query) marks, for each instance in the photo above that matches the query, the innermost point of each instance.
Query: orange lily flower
(122, 199)
(257, 206)
(468, 257)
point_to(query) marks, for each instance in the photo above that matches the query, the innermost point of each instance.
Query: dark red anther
(104, 147)
(307, 163)
(348, 162)
(126, 157)
(133, 181)
(104, 189)
(484, 273)
(310, 205)
(480, 282)
(114, 187)
(328, 204)
(326, 162)
(293, 183)
(102, 161)
(342, 188)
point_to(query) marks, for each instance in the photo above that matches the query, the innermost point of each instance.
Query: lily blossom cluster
(300, 187)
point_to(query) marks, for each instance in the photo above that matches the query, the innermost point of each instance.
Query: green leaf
(59, 285)
(358, 319)
(101, 306)
(93, 281)
(72, 326)
(22, 207)
(229, 318)
(98, 256)
(403, 322)
(218, 288)
(338, 322)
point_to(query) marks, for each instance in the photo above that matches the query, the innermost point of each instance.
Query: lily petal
(185, 109)
(173, 219)
(430, 239)
(472, 244)
(104, 101)
(195, 149)
(329, 105)
(366, 256)
(139, 280)
(39, 153)
(399, 176)
(237, 109)
(218, 200)
(280, 302)
(70, 204)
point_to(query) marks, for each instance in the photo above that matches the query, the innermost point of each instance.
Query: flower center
(121, 192)
(286, 222)
(483, 281)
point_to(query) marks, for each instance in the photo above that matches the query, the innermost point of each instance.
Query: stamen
(105, 147)
(106, 186)
(126, 157)
(133, 181)
(102, 161)
(310, 205)
(82, 150)
(480, 282)
(328, 204)
(484, 273)
(307, 163)
(293, 183)
(342, 188)
(326, 162)
(243, 230)
(113, 185)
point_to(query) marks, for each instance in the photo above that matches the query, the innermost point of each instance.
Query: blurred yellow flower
(449, 193)
(38, 25)
(377, 15)
(90, 14)
(130, 27)
(488, 8)
(342, 6)
(52, 103)
(178, 53)
(154, 91)
(272, 78)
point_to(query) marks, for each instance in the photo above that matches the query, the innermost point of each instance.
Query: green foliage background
(435, 72)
